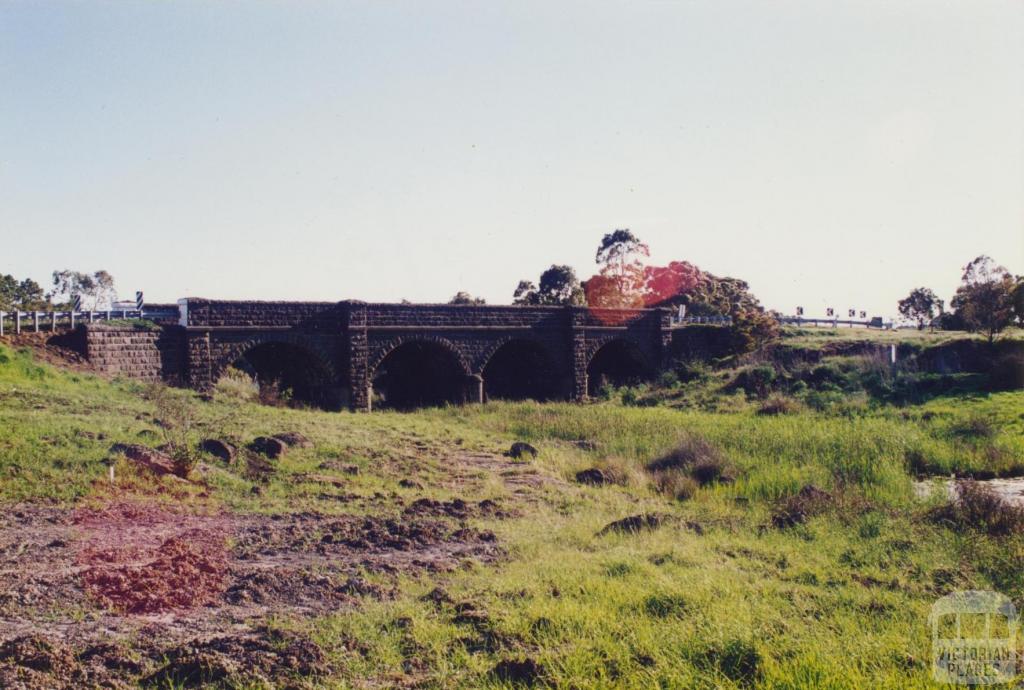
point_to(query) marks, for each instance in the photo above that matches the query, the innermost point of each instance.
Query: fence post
(53, 327)
(17, 322)
(108, 315)
(1, 324)
(35, 320)
(72, 312)
(90, 316)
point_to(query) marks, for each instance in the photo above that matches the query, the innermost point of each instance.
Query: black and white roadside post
(76, 306)
(138, 302)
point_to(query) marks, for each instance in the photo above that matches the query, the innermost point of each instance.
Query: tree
(670, 286)
(621, 251)
(96, 289)
(715, 296)
(920, 305)
(464, 298)
(25, 295)
(8, 292)
(619, 283)
(985, 298)
(558, 285)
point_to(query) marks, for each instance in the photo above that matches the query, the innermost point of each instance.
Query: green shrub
(238, 385)
(756, 380)
(974, 427)
(668, 379)
(675, 483)
(776, 405)
(692, 370)
(691, 450)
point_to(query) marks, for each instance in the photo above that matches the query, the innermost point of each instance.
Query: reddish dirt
(131, 593)
(191, 591)
(56, 349)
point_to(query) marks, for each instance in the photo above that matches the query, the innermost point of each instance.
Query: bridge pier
(358, 365)
(578, 348)
(475, 388)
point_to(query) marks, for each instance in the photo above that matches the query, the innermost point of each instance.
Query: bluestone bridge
(360, 355)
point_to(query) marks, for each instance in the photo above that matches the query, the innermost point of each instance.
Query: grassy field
(741, 585)
(817, 336)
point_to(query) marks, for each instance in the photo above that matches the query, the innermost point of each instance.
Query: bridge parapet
(205, 313)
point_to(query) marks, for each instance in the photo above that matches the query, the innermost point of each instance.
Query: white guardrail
(719, 320)
(37, 321)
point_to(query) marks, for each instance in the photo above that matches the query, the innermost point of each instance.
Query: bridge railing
(38, 321)
(714, 320)
(834, 322)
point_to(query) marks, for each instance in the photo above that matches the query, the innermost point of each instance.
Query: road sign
(830, 312)
(138, 300)
(799, 311)
(76, 303)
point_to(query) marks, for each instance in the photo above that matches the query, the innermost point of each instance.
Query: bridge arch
(521, 369)
(284, 362)
(616, 360)
(418, 371)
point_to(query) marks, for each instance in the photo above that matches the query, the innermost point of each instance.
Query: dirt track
(195, 588)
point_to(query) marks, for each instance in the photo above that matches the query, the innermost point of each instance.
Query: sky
(831, 154)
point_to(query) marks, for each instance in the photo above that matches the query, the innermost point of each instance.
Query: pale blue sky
(831, 153)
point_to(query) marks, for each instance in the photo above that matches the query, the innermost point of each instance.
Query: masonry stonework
(352, 339)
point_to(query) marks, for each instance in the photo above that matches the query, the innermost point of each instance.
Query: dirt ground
(58, 349)
(129, 593)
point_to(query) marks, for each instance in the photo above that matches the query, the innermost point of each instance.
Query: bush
(273, 394)
(693, 370)
(691, 450)
(978, 507)
(711, 471)
(827, 377)
(695, 459)
(634, 397)
(974, 427)
(238, 385)
(675, 483)
(776, 405)
(174, 415)
(822, 401)
(757, 380)
(668, 379)
(795, 510)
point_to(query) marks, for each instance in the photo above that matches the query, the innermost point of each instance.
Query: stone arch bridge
(360, 355)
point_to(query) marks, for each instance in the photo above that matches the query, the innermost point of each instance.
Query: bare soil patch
(189, 592)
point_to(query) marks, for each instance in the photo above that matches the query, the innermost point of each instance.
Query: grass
(716, 598)
(812, 337)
